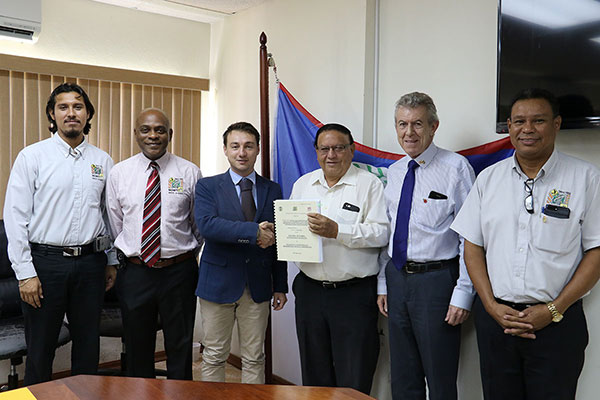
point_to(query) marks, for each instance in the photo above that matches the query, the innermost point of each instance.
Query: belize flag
(295, 156)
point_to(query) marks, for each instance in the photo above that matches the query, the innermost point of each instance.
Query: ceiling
(195, 10)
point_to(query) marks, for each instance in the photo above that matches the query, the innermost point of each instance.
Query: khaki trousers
(217, 323)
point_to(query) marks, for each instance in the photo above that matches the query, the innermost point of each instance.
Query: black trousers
(422, 344)
(337, 333)
(544, 368)
(73, 286)
(144, 294)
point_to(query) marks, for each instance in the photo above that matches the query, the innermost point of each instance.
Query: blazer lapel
(230, 194)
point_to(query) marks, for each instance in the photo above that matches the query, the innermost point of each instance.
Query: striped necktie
(151, 225)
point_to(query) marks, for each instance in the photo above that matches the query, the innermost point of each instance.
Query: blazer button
(247, 260)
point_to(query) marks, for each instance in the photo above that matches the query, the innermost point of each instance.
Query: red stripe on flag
(377, 153)
(488, 148)
(298, 106)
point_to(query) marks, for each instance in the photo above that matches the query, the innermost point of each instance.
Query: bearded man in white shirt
(424, 290)
(336, 300)
(55, 223)
(150, 200)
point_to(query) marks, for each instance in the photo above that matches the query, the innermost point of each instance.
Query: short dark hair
(334, 127)
(244, 127)
(68, 87)
(536, 93)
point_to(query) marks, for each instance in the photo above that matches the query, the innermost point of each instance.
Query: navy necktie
(248, 206)
(403, 216)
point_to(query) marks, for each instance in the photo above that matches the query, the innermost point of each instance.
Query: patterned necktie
(151, 225)
(403, 216)
(248, 206)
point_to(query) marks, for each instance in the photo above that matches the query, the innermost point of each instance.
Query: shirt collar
(426, 157)
(545, 170)
(236, 178)
(66, 149)
(162, 161)
(349, 178)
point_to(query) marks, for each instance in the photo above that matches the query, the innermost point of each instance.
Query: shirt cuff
(24, 271)
(344, 233)
(381, 285)
(462, 299)
(111, 255)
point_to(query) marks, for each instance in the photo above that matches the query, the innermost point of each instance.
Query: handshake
(265, 236)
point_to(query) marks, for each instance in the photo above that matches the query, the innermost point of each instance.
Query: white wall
(447, 49)
(83, 31)
(87, 32)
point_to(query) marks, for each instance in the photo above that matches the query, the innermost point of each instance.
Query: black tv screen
(554, 45)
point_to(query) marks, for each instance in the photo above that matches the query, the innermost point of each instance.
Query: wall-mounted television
(554, 45)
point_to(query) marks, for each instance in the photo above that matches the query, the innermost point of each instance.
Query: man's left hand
(456, 315)
(279, 300)
(539, 316)
(110, 276)
(322, 226)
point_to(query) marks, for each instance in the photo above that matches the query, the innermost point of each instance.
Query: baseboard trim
(237, 362)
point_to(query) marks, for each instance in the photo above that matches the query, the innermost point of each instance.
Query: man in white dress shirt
(532, 246)
(336, 300)
(428, 293)
(53, 215)
(150, 199)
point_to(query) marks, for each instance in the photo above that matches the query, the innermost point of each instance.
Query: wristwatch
(556, 316)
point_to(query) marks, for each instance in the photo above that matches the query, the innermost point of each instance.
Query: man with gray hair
(150, 199)
(424, 289)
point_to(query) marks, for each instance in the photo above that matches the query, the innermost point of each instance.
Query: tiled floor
(232, 374)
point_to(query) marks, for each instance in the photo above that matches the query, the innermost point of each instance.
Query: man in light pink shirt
(150, 199)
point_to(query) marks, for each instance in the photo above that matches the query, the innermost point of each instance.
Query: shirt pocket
(347, 217)
(95, 192)
(432, 213)
(556, 235)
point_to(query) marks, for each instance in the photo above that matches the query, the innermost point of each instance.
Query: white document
(295, 242)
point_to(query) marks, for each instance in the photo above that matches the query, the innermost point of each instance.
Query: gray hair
(417, 99)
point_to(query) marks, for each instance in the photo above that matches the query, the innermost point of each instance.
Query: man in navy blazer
(239, 271)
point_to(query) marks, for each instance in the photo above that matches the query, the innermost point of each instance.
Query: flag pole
(265, 166)
(264, 108)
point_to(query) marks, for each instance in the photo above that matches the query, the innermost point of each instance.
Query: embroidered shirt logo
(97, 172)
(175, 185)
(558, 198)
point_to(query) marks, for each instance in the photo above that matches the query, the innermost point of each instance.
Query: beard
(72, 133)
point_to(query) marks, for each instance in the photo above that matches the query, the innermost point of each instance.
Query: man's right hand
(507, 318)
(31, 291)
(382, 304)
(266, 234)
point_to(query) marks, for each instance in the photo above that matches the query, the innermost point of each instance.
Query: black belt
(338, 284)
(65, 251)
(412, 267)
(164, 262)
(522, 306)
(516, 306)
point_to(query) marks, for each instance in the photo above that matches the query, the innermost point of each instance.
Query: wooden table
(89, 387)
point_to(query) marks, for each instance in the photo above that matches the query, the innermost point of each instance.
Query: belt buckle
(329, 285)
(410, 265)
(76, 251)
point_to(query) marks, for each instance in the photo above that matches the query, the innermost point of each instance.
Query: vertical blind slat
(23, 121)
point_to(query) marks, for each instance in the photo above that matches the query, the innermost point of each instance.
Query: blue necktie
(403, 216)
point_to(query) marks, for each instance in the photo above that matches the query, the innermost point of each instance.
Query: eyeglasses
(529, 198)
(338, 148)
